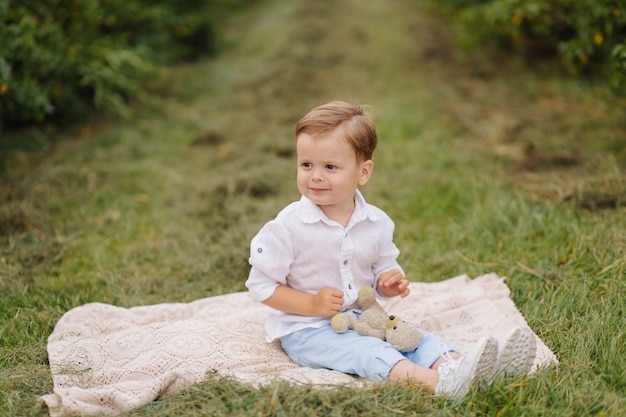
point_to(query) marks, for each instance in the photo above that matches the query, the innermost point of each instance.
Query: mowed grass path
(483, 165)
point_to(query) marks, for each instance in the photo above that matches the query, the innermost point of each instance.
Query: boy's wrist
(383, 291)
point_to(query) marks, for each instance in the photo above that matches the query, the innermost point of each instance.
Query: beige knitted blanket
(106, 360)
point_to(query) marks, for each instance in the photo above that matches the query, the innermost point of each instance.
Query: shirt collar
(311, 213)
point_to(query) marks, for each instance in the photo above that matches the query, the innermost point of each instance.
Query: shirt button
(349, 286)
(345, 262)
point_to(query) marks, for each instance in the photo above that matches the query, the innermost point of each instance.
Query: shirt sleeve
(388, 254)
(271, 257)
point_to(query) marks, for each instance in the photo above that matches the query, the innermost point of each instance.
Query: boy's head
(358, 128)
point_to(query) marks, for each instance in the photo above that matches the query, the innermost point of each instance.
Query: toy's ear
(365, 291)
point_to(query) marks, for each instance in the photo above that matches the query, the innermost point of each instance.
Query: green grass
(484, 165)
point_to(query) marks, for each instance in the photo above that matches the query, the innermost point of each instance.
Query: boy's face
(328, 170)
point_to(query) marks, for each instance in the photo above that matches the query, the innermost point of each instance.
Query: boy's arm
(325, 303)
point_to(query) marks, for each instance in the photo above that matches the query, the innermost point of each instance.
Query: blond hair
(359, 129)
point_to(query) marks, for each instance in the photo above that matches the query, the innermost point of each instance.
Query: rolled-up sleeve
(271, 256)
(388, 251)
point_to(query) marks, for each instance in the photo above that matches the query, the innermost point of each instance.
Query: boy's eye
(306, 165)
(331, 167)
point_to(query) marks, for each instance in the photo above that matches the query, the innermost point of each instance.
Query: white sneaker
(457, 375)
(516, 353)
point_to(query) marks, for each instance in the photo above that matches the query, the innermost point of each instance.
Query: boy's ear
(366, 171)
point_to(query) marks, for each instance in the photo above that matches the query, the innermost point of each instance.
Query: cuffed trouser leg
(352, 353)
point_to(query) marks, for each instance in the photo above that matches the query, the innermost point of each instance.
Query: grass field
(484, 164)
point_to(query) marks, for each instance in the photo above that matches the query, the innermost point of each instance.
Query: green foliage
(55, 56)
(588, 35)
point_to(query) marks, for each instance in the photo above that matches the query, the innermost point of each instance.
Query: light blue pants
(352, 353)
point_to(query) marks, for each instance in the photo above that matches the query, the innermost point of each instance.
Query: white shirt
(303, 249)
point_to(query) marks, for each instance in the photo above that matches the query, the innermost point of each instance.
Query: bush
(588, 35)
(55, 55)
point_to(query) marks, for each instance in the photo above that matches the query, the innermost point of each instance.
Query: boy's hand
(327, 302)
(392, 283)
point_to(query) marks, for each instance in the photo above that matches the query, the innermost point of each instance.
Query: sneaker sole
(485, 364)
(481, 365)
(516, 353)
